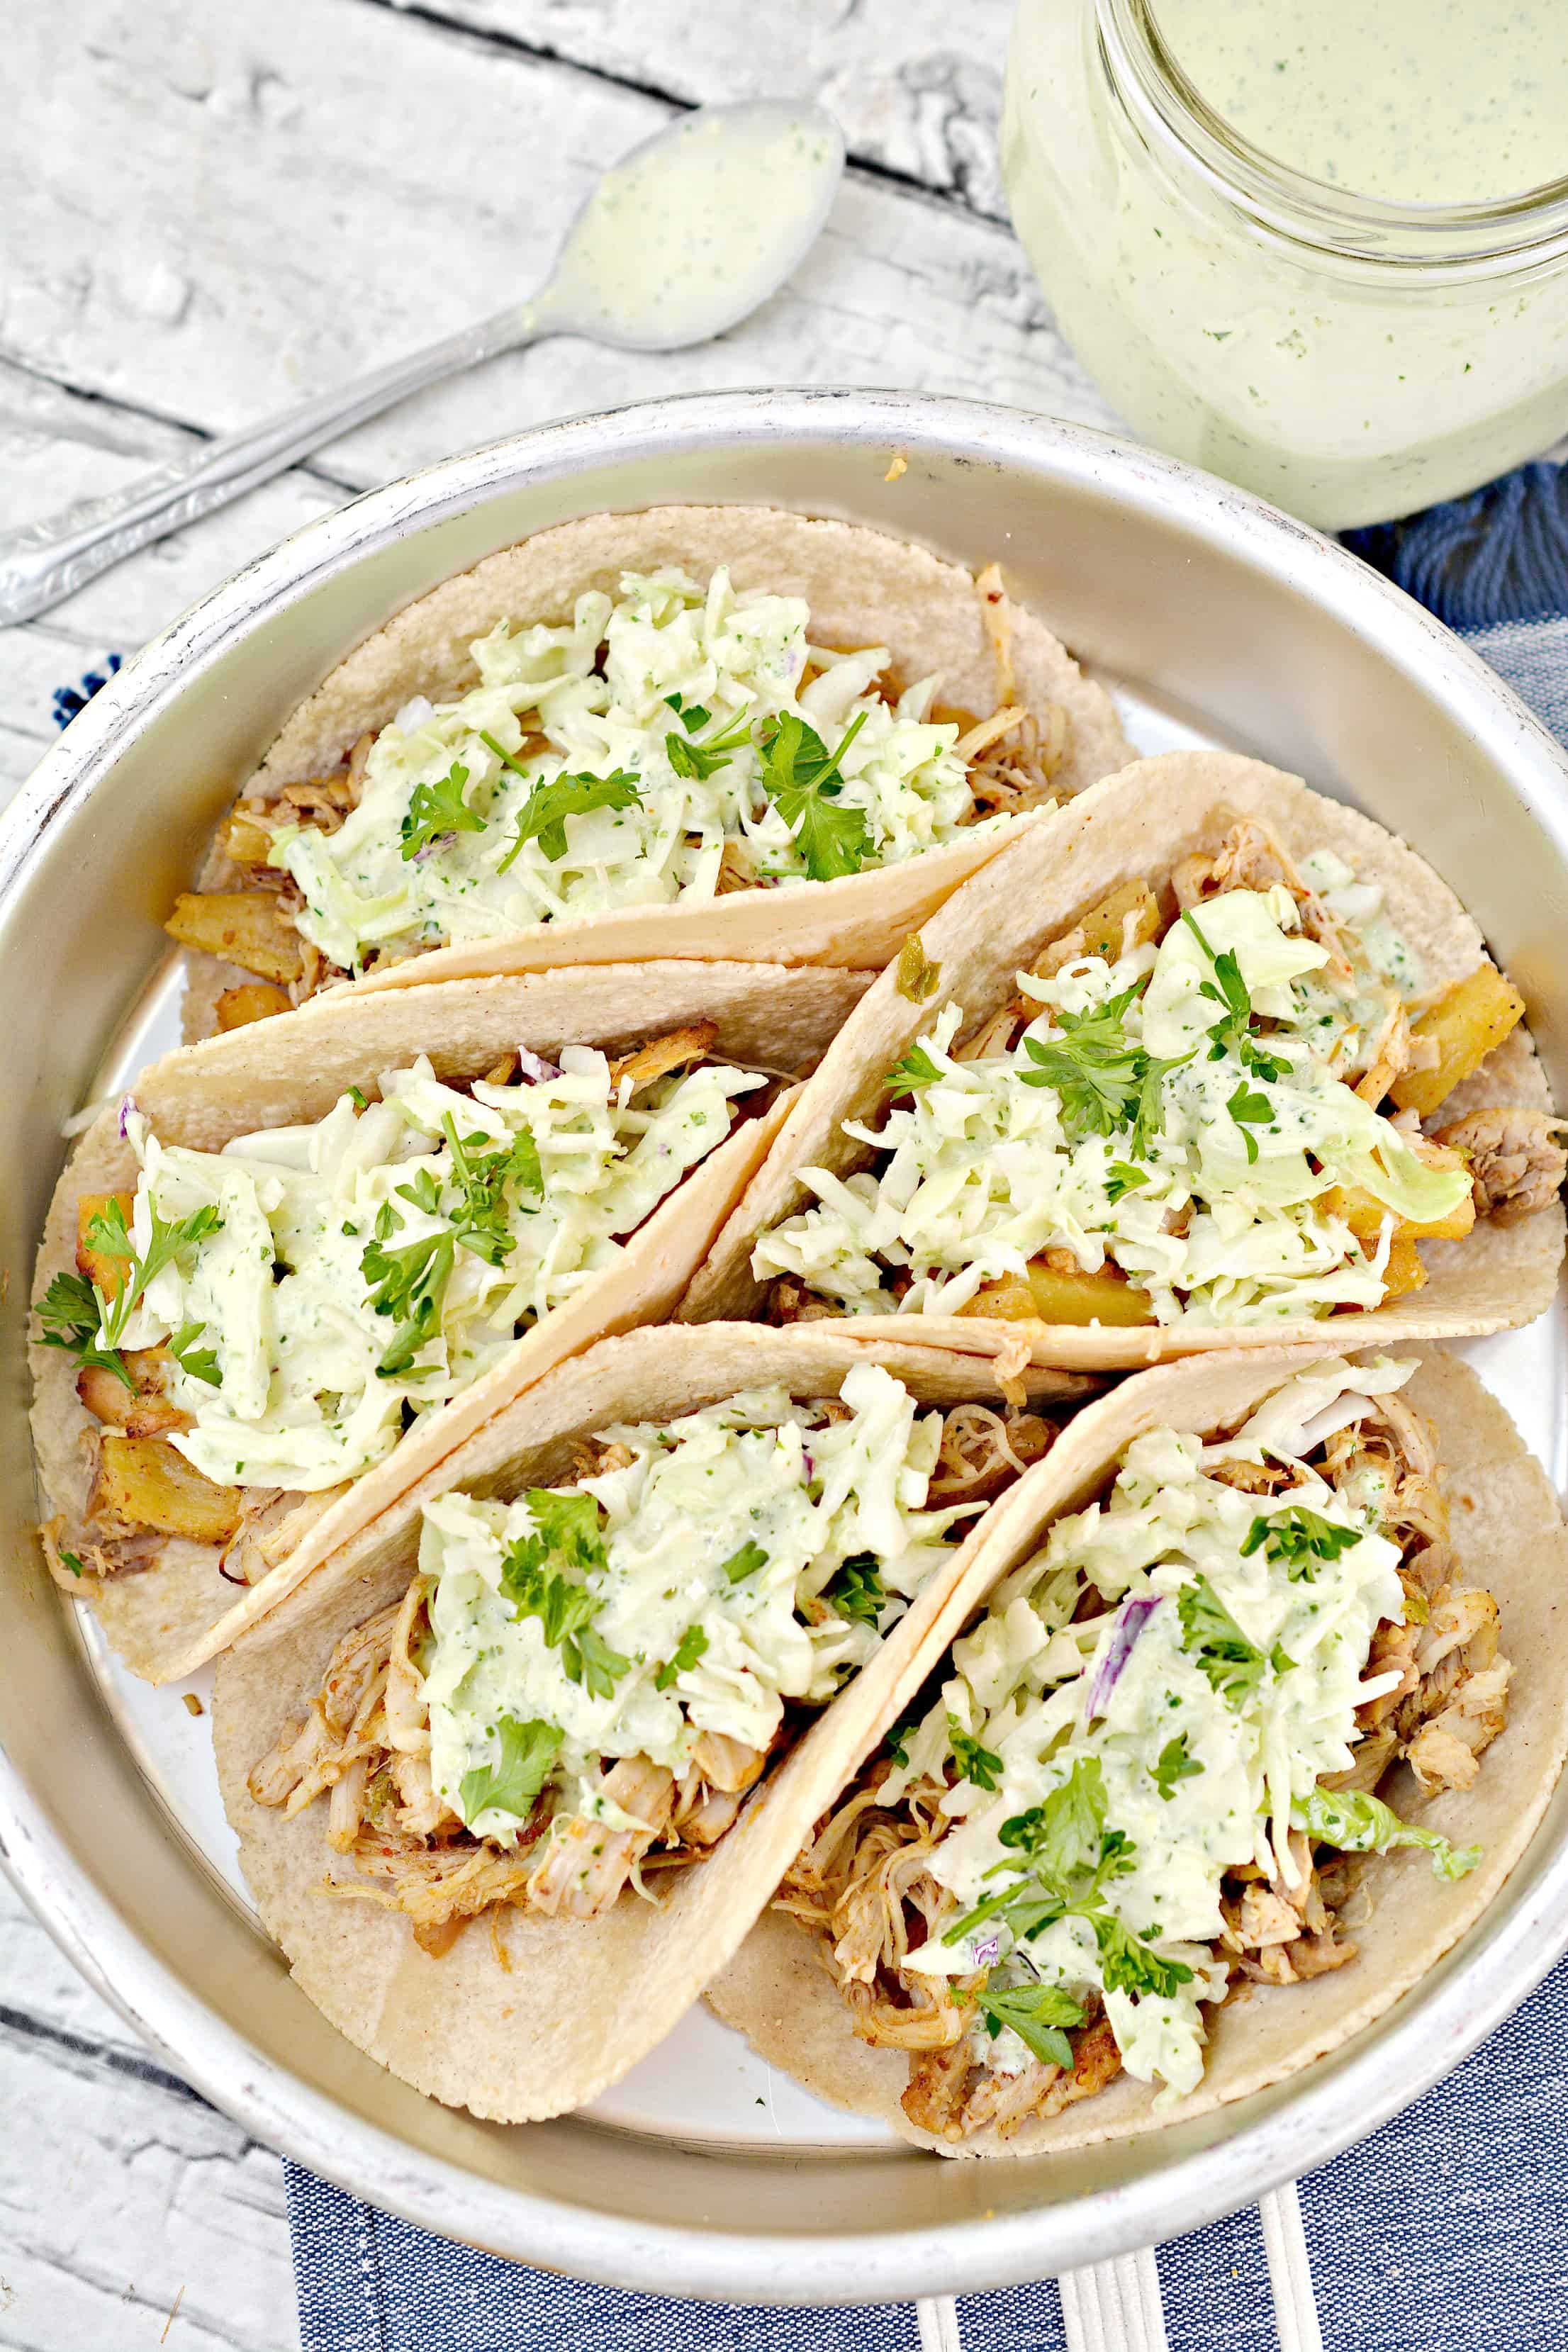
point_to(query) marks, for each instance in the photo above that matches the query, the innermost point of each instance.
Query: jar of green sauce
(1321, 249)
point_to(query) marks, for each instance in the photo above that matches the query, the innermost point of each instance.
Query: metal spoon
(655, 219)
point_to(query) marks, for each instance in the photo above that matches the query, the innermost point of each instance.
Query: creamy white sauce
(1414, 101)
(696, 228)
(1346, 387)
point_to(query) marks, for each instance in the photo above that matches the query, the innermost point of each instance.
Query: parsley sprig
(437, 810)
(1106, 1082)
(528, 1754)
(975, 1761)
(542, 1577)
(1173, 1765)
(551, 800)
(1066, 1859)
(1231, 1664)
(1037, 2013)
(408, 1282)
(1232, 1032)
(1297, 1540)
(91, 1323)
(487, 1183)
(857, 1591)
(804, 781)
(697, 761)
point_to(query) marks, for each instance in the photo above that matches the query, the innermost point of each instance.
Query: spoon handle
(45, 561)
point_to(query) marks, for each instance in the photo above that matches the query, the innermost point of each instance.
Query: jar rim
(1176, 119)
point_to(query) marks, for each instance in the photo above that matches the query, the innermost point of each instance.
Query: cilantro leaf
(1149, 1119)
(700, 761)
(90, 1325)
(539, 1577)
(803, 782)
(916, 1070)
(1230, 1663)
(1232, 1032)
(898, 1739)
(70, 1311)
(974, 1763)
(744, 1562)
(1129, 1964)
(481, 1220)
(1296, 1539)
(1037, 2014)
(528, 1752)
(1092, 1064)
(410, 1283)
(1061, 1835)
(693, 1646)
(1174, 1765)
(857, 1591)
(437, 811)
(1363, 1825)
(589, 1660)
(1120, 1177)
(201, 1363)
(549, 804)
(1249, 1108)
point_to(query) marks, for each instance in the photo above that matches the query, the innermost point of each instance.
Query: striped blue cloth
(1445, 2231)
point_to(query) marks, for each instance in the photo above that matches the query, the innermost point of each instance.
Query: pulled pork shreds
(366, 1743)
(1515, 1158)
(862, 1886)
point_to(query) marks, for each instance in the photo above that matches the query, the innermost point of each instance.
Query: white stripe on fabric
(1289, 2271)
(1114, 2306)
(938, 2317)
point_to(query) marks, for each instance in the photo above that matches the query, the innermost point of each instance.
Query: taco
(701, 730)
(1215, 1060)
(303, 1261)
(1207, 1785)
(622, 1644)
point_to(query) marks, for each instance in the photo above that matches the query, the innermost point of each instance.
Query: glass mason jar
(1349, 358)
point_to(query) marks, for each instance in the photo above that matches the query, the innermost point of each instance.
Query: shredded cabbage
(312, 1380)
(682, 666)
(1201, 1766)
(754, 1485)
(1200, 1189)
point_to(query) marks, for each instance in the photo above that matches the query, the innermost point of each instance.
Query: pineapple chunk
(242, 927)
(1363, 1214)
(1105, 926)
(1048, 1296)
(1403, 1271)
(259, 1000)
(142, 1482)
(245, 839)
(100, 1265)
(1465, 1024)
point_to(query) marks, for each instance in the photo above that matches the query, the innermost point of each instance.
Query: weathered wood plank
(916, 84)
(124, 2189)
(315, 188)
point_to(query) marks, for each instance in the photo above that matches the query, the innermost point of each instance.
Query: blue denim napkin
(1446, 2232)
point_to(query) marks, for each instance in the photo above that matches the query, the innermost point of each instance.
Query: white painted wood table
(208, 208)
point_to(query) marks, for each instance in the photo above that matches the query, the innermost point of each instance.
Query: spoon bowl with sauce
(676, 243)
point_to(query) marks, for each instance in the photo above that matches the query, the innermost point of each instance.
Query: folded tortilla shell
(165, 1619)
(574, 2003)
(1140, 824)
(864, 589)
(1509, 1538)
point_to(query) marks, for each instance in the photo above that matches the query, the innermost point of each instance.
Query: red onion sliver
(1131, 1619)
(128, 1104)
(533, 1067)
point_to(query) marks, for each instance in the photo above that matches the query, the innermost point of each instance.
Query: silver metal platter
(1216, 621)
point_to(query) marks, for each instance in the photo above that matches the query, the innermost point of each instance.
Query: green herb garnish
(1294, 1540)
(693, 1646)
(974, 1763)
(436, 810)
(528, 1752)
(802, 781)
